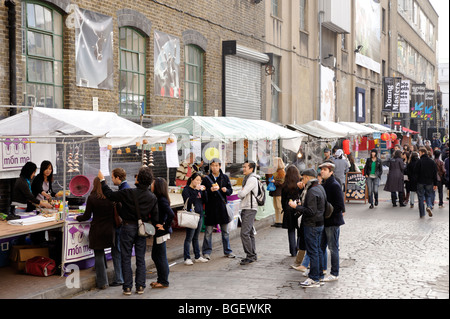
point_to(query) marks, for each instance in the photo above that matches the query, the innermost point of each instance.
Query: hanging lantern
(346, 146)
(385, 136)
(109, 147)
(127, 150)
(393, 136)
(119, 151)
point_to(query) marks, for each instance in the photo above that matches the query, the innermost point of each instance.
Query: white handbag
(186, 218)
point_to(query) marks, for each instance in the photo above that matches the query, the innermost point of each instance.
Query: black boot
(12, 214)
(376, 199)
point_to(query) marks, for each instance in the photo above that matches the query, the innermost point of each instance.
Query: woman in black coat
(290, 191)
(102, 230)
(412, 177)
(395, 180)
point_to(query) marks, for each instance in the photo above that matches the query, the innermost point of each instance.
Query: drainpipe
(12, 55)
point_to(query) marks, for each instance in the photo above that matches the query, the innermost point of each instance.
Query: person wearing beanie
(373, 171)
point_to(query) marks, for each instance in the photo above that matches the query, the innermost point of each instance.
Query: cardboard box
(21, 253)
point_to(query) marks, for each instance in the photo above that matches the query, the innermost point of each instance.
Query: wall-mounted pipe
(12, 55)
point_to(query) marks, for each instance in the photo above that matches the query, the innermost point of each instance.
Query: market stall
(234, 140)
(23, 136)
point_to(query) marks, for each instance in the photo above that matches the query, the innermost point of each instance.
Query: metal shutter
(243, 83)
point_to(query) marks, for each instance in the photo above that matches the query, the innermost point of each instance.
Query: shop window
(132, 72)
(42, 47)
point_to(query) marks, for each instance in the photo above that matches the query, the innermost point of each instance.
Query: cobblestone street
(385, 253)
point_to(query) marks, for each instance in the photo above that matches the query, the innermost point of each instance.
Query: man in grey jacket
(311, 210)
(249, 208)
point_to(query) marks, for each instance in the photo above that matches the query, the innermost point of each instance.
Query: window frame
(140, 54)
(198, 70)
(56, 58)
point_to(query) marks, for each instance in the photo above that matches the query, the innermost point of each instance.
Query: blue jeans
(312, 240)
(330, 238)
(117, 258)
(372, 188)
(424, 193)
(192, 237)
(159, 257)
(293, 241)
(207, 240)
(129, 237)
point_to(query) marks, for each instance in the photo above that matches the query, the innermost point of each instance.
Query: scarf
(307, 187)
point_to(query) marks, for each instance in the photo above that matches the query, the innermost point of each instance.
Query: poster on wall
(404, 96)
(93, 48)
(327, 101)
(429, 106)
(417, 101)
(167, 65)
(368, 34)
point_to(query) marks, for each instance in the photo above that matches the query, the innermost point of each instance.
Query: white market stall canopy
(379, 127)
(314, 132)
(335, 128)
(228, 129)
(109, 127)
(362, 129)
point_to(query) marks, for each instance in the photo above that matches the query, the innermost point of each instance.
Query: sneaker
(140, 290)
(300, 268)
(207, 256)
(127, 291)
(411, 206)
(330, 278)
(371, 206)
(429, 212)
(230, 255)
(441, 206)
(188, 262)
(201, 260)
(309, 283)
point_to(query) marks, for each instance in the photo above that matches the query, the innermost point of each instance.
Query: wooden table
(7, 230)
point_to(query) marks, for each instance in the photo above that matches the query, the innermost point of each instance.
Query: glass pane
(135, 61)
(122, 60)
(122, 81)
(129, 65)
(57, 42)
(135, 87)
(31, 95)
(30, 15)
(31, 70)
(48, 46)
(129, 39)
(40, 95)
(39, 14)
(57, 23)
(141, 63)
(49, 96)
(123, 38)
(48, 20)
(129, 82)
(58, 97)
(141, 44)
(142, 84)
(135, 41)
(58, 73)
(48, 69)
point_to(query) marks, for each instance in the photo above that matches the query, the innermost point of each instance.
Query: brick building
(183, 40)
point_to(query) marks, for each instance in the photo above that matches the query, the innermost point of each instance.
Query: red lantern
(346, 146)
(393, 136)
(385, 136)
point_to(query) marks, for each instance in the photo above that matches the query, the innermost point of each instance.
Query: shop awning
(335, 128)
(407, 130)
(361, 129)
(111, 128)
(313, 131)
(228, 129)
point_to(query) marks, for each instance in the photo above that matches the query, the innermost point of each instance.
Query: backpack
(329, 208)
(261, 196)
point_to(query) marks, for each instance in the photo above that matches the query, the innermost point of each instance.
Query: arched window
(193, 80)
(132, 85)
(43, 50)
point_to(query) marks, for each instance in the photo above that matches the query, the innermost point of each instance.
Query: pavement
(385, 253)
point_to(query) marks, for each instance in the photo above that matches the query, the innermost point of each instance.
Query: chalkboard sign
(355, 187)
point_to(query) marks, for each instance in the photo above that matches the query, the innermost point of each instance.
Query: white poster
(404, 96)
(172, 155)
(93, 47)
(104, 161)
(167, 65)
(327, 101)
